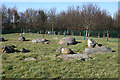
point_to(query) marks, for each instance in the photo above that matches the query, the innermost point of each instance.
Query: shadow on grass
(113, 51)
(3, 40)
(25, 51)
(100, 45)
(75, 43)
(78, 42)
(27, 40)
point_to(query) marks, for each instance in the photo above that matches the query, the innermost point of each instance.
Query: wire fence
(112, 34)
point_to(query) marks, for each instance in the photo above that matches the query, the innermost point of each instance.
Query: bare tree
(89, 17)
(52, 18)
(116, 20)
(87, 14)
(4, 17)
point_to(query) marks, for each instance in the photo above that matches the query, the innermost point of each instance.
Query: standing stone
(64, 50)
(21, 39)
(92, 43)
(67, 40)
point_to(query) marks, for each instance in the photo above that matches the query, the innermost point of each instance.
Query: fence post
(84, 34)
(107, 35)
(65, 33)
(21, 33)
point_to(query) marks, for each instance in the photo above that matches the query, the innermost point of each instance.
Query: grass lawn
(14, 66)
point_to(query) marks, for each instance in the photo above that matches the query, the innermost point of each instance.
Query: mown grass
(14, 66)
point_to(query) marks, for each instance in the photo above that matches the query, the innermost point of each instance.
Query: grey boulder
(38, 40)
(67, 41)
(98, 50)
(64, 50)
(29, 58)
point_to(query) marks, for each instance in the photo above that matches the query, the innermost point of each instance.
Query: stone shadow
(77, 42)
(100, 45)
(27, 40)
(22, 51)
(113, 51)
(3, 40)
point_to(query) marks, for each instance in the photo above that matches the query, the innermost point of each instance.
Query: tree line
(88, 17)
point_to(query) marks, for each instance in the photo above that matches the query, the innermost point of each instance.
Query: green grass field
(14, 66)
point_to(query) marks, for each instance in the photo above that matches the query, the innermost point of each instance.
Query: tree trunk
(40, 32)
(52, 30)
(72, 33)
(89, 33)
(98, 35)
(103, 34)
(58, 33)
(86, 33)
(80, 34)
